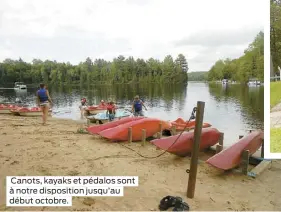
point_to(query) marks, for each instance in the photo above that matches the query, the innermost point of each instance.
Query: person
(111, 111)
(83, 106)
(43, 101)
(102, 103)
(137, 106)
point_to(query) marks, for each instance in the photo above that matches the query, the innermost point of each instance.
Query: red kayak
(183, 146)
(180, 124)
(231, 157)
(120, 133)
(99, 128)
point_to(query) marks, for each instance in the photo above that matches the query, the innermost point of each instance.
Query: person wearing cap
(111, 111)
(137, 106)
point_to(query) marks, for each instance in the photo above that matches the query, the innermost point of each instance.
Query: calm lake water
(232, 109)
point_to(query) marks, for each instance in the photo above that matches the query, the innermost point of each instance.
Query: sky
(71, 30)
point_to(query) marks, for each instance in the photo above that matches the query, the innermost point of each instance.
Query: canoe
(103, 118)
(183, 146)
(230, 157)
(34, 111)
(98, 128)
(5, 109)
(180, 124)
(120, 133)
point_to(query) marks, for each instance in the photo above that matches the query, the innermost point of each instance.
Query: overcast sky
(71, 30)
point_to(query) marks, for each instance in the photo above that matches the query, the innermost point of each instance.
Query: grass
(275, 93)
(275, 140)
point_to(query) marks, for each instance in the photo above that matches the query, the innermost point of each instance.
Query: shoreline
(29, 149)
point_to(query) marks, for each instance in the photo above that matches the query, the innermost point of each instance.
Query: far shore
(29, 149)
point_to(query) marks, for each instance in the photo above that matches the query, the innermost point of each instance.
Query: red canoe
(180, 124)
(120, 133)
(99, 128)
(231, 157)
(183, 146)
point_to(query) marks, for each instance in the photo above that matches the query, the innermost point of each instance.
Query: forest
(275, 34)
(99, 71)
(198, 76)
(249, 65)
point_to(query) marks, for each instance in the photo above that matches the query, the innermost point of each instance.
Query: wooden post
(262, 149)
(245, 162)
(219, 147)
(195, 149)
(221, 139)
(160, 129)
(130, 134)
(174, 130)
(158, 135)
(143, 139)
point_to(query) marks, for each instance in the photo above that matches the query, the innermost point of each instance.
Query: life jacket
(137, 105)
(110, 108)
(42, 94)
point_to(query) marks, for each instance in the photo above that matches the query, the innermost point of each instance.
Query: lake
(232, 109)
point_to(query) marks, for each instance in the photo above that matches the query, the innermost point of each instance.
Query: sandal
(181, 206)
(169, 201)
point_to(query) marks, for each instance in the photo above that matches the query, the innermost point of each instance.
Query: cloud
(73, 30)
(216, 38)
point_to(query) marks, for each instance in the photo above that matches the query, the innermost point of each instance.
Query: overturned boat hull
(183, 146)
(120, 133)
(98, 128)
(231, 157)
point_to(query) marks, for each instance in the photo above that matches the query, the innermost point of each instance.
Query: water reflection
(232, 109)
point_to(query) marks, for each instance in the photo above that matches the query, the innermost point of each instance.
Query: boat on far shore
(20, 86)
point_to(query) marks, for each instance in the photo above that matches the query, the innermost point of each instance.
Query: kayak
(183, 146)
(6, 109)
(96, 109)
(103, 117)
(120, 133)
(180, 124)
(230, 157)
(98, 128)
(34, 111)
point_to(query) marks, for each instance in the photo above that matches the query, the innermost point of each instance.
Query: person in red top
(111, 111)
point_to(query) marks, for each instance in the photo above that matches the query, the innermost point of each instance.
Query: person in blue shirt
(137, 106)
(43, 101)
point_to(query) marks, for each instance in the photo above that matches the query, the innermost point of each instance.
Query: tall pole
(195, 149)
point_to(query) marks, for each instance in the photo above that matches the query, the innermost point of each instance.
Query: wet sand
(29, 149)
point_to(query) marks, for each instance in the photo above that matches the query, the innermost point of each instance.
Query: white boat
(254, 83)
(20, 86)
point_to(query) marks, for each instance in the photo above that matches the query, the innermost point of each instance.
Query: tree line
(119, 70)
(249, 65)
(275, 34)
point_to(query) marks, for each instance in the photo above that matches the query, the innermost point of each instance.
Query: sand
(29, 149)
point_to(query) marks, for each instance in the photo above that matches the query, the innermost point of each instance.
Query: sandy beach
(29, 149)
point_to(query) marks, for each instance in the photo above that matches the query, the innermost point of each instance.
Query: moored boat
(6, 109)
(230, 157)
(183, 146)
(93, 110)
(34, 111)
(180, 124)
(120, 133)
(103, 117)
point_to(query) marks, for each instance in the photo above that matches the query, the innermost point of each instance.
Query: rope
(191, 117)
